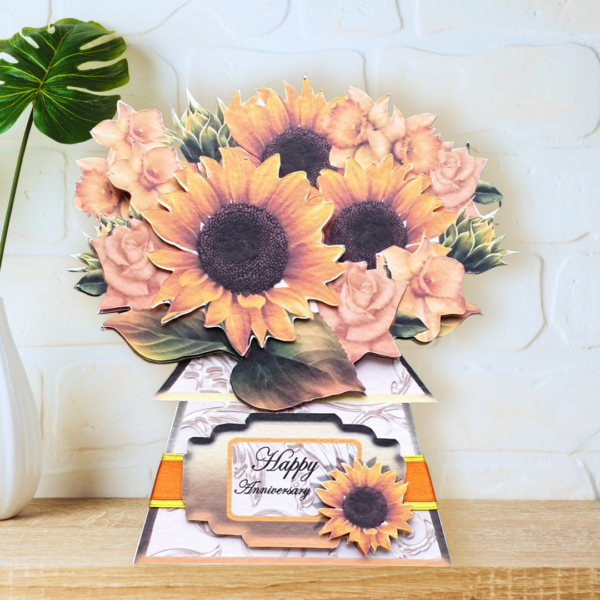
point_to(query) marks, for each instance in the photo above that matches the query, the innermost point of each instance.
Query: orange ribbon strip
(167, 486)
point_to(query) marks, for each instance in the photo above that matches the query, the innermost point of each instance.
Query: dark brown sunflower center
(366, 228)
(300, 150)
(243, 248)
(365, 507)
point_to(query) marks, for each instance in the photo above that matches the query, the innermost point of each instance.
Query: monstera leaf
(52, 78)
(185, 337)
(285, 374)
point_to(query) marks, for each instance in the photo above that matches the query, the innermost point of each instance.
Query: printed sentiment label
(276, 479)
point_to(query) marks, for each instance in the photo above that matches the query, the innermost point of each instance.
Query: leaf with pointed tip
(406, 326)
(180, 339)
(55, 76)
(92, 283)
(285, 374)
(486, 193)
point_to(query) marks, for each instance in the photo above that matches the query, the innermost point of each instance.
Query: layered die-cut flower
(95, 194)
(366, 505)
(133, 281)
(145, 126)
(368, 302)
(376, 207)
(248, 245)
(146, 175)
(267, 124)
(434, 284)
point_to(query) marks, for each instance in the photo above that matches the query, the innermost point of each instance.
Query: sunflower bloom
(266, 124)
(366, 504)
(246, 244)
(375, 208)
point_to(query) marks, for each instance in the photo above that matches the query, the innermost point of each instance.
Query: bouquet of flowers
(297, 236)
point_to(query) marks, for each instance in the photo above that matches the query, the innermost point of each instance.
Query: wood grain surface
(82, 549)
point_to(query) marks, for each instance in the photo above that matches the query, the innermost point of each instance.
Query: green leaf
(486, 193)
(92, 283)
(406, 326)
(183, 338)
(285, 374)
(52, 78)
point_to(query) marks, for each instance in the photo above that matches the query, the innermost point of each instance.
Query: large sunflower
(376, 208)
(366, 504)
(247, 244)
(266, 124)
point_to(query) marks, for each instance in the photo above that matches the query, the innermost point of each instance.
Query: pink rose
(455, 180)
(95, 194)
(133, 281)
(368, 304)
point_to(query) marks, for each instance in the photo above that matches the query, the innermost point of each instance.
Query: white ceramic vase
(20, 429)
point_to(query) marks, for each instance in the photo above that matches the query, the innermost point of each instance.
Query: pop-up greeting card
(277, 266)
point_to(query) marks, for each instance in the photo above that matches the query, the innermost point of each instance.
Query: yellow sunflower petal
(273, 104)
(334, 189)
(378, 178)
(239, 175)
(265, 181)
(259, 327)
(168, 290)
(217, 179)
(422, 220)
(291, 191)
(356, 179)
(218, 310)
(381, 540)
(184, 208)
(331, 498)
(173, 259)
(203, 194)
(251, 301)
(250, 123)
(278, 322)
(238, 327)
(171, 229)
(314, 291)
(291, 300)
(191, 297)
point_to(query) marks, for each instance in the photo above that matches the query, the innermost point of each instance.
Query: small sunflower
(266, 125)
(366, 504)
(248, 245)
(375, 208)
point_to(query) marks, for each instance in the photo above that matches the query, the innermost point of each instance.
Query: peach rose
(434, 284)
(95, 194)
(146, 175)
(455, 180)
(133, 281)
(368, 305)
(130, 126)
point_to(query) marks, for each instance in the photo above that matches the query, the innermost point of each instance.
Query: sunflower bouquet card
(275, 261)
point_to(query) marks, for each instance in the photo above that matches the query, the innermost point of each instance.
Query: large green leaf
(51, 77)
(285, 374)
(407, 326)
(183, 338)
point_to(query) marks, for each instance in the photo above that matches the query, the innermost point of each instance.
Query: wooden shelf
(82, 549)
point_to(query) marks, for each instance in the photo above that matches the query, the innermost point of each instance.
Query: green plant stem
(13, 191)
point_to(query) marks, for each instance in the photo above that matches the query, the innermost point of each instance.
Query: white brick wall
(519, 411)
